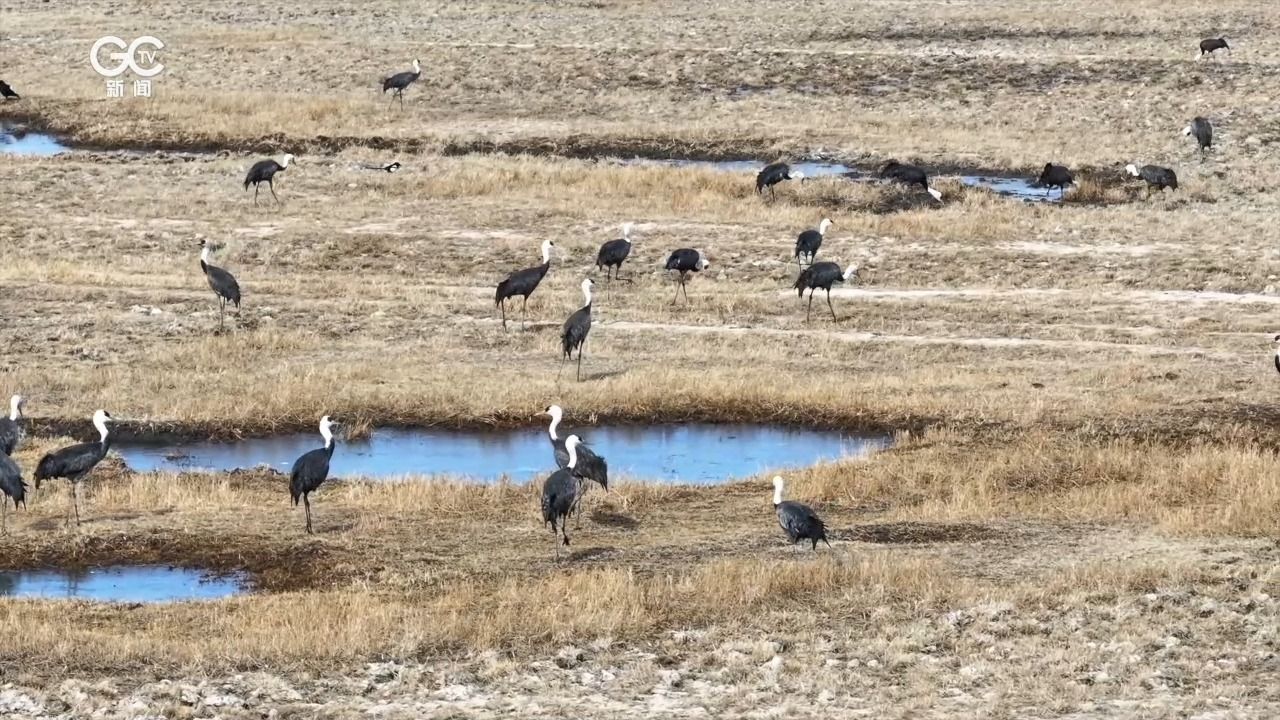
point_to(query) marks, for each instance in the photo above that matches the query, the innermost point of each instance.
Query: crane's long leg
(808, 313)
(563, 357)
(271, 185)
(524, 303)
(555, 540)
(833, 310)
(75, 500)
(502, 305)
(684, 286)
(222, 309)
(4, 516)
(256, 188)
(677, 296)
(580, 347)
(400, 93)
(306, 504)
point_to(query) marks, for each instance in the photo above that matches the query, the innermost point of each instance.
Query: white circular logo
(128, 59)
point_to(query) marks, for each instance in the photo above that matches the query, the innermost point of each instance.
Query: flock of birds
(578, 466)
(562, 491)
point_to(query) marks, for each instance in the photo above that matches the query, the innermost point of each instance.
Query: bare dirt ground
(1078, 520)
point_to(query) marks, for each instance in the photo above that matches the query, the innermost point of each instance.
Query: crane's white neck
(777, 491)
(327, 434)
(626, 232)
(555, 422)
(571, 445)
(286, 160)
(822, 227)
(100, 422)
(586, 292)
(853, 270)
(416, 67)
(15, 407)
(206, 255)
(546, 251)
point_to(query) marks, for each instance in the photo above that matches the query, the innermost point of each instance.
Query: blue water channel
(692, 453)
(125, 583)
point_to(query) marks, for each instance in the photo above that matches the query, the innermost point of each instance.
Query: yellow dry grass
(1082, 390)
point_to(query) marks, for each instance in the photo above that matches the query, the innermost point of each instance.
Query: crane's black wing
(800, 523)
(576, 329)
(69, 462)
(223, 283)
(11, 481)
(309, 470)
(559, 493)
(10, 434)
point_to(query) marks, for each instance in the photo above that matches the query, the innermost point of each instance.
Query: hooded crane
(1202, 130)
(75, 462)
(1276, 344)
(685, 261)
(772, 175)
(796, 519)
(7, 92)
(312, 468)
(522, 283)
(1056, 176)
(222, 283)
(11, 427)
(13, 488)
(400, 82)
(808, 242)
(576, 328)
(1156, 177)
(1209, 45)
(264, 171)
(908, 175)
(822, 275)
(613, 252)
(590, 465)
(560, 493)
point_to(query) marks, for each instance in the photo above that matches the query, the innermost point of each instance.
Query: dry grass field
(1079, 517)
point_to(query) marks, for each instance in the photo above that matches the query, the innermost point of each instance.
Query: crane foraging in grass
(264, 171)
(1155, 176)
(11, 426)
(614, 252)
(797, 520)
(808, 242)
(773, 174)
(1055, 176)
(1202, 130)
(75, 462)
(13, 488)
(685, 261)
(222, 283)
(574, 334)
(400, 82)
(522, 283)
(591, 467)
(560, 493)
(312, 468)
(909, 175)
(1210, 45)
(822, 275)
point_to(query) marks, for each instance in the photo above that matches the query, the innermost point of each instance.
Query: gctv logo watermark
(129, 57)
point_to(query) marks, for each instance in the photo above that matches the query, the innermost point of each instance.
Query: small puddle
(1019, 188)
(695, 453)
(810, 169)
(125, 583)
(16, 140)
